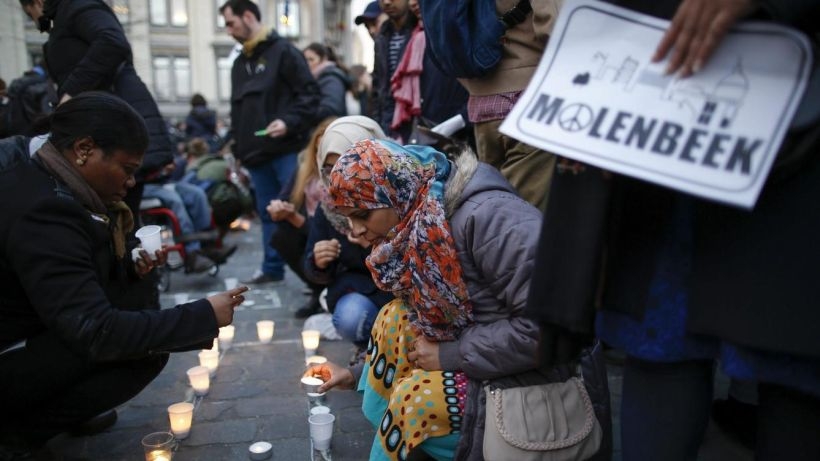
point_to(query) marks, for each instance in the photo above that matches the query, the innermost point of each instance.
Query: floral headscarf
(418, 260)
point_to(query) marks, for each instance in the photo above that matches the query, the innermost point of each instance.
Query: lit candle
(209, 358)
(315, 360)
(226, 336)
(310, 341)
(264, 328)
(180, 415)
(158, 455)
(159, 446)
(200, 379)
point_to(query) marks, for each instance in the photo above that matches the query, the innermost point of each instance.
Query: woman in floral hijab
(455, 245)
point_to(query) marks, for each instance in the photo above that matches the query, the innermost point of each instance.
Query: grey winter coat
(496, 235)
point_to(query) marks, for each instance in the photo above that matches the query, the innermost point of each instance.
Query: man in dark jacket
(273, 107)
(87, 50)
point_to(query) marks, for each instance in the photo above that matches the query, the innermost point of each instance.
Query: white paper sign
(597, 98)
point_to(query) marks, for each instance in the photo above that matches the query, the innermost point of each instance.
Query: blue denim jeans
(353, 317)
(268, 180)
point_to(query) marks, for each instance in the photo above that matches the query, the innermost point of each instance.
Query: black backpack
(464, 36)
(30, 97)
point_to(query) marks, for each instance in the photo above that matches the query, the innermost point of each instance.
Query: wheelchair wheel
(163, 279)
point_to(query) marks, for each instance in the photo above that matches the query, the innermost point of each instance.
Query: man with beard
(273, 107)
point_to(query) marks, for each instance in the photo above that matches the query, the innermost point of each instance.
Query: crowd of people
(455, 273)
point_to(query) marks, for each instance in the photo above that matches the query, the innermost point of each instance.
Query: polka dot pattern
(421, 404)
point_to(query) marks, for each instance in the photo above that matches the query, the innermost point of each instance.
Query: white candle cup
(264, 328)
(315, 360)
(215, 345)
(150, 239)
(200, 379)
(180, 415)
(159, 446)
(260, 450)
(231, 283)
(311, 384)
(226, 336)
(310, 341)
(321, 430)
(209, 359)
(319, 410)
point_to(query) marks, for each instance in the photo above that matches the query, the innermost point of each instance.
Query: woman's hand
(145, 264)
(696, 30)
(224, 303)
(280, 210)
(325, 252)
(424, 354)
(333, 375)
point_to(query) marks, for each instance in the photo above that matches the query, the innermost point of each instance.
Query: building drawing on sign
(721, 103)
(728, 96)
(617, 73)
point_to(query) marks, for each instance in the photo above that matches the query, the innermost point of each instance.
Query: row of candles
(181, 414)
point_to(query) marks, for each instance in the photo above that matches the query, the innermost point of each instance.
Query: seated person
(335, 259)
(296, 205)
(71, 349)
(221, 181)
(190, 205)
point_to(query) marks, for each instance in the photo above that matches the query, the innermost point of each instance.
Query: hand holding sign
(696, 30)
(600, 97)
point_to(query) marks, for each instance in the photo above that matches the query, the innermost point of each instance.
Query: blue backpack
(464, 36)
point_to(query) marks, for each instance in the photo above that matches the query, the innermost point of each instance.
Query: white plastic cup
(231, 283)
(264, 329)
(200, 379)
(321, 430)
(319, 410)
(226, 336)
(150, 239)
(180, 415)
(209, 359)
(311, 384)
(310, 341)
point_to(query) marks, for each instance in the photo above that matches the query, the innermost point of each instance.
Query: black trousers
(666, 407)
(292, 246)
(47, 389)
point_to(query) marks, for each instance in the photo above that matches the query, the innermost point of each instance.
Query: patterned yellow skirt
(407, 405)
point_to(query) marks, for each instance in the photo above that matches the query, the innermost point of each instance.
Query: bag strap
(546, 446)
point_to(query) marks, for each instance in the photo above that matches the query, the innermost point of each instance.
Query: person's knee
(351, 315)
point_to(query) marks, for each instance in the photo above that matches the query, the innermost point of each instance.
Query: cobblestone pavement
(256, 395)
